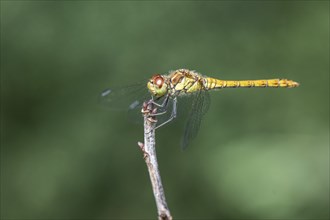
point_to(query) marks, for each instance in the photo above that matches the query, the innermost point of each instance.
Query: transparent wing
(125, 98)
(200, 104)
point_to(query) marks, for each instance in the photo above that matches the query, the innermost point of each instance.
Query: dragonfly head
(157, 86)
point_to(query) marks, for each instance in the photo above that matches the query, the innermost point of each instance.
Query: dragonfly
(165, 91)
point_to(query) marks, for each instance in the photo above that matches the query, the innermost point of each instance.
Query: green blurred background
(260, 153)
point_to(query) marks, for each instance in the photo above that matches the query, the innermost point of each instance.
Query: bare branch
(149, 155)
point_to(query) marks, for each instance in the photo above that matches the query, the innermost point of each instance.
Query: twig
(149, 155)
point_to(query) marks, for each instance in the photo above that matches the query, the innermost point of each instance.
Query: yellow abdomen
(212, 83)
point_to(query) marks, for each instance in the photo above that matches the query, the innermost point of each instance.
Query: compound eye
(158, 80)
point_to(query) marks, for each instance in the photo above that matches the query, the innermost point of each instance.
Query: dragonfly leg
(172, 116)
(164, 103)
(158, 113)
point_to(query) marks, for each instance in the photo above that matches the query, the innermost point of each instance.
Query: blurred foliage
(260, 153)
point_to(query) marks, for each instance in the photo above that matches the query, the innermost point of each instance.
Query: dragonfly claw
(152, 119)
(149, 111)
